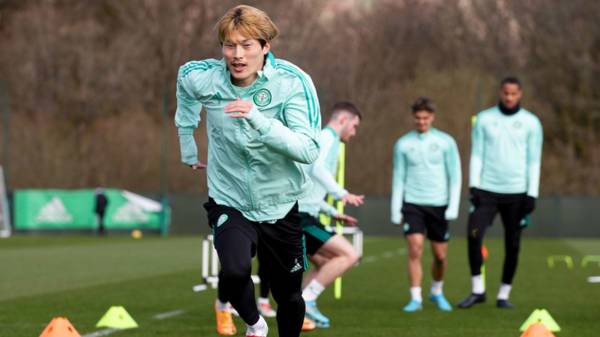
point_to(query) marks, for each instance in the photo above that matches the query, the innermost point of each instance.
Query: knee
(352, 257)
(236, 273)
(415, 252)
(293, 300)
(513, 248)
(439, 259)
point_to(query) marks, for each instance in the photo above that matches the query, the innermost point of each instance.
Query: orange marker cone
(60, 327)
(537, 330)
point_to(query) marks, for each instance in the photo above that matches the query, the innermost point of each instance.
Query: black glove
(528, 205)
(475, 196)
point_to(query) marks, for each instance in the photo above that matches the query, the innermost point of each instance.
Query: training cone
(60, 327)
(541, 316)
(537, 330)
(117, 318)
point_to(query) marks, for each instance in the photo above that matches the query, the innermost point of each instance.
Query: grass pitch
(81, 277)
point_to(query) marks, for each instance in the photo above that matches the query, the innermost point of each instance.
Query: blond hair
(248, 21)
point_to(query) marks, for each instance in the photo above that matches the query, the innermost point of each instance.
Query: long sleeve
(534, 159)
(297, 139)
(398, 177)
(328, 209)
(476, 161)
(319, 172)
(192, 87)
(453, 170)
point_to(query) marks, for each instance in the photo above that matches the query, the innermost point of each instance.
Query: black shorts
(314, 232)
(278, 244)
(426, 219)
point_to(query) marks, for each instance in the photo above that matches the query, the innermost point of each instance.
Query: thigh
(337, 245)
(235, 238)
(318, 259)
(281, 244)
(482, 215)
(315, 234)
(511, 211)
(414, 242)
(439, 249)
(414, 219)
(436, 224)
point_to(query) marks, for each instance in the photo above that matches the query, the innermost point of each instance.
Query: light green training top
(254, 163)
(426, 172)
(322, 172)
(506, 152)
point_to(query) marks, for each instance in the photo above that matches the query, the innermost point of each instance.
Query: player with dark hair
(504, 177)
(331, 253)
(425, 196)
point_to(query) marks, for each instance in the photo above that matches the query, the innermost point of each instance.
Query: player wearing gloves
(504, 177)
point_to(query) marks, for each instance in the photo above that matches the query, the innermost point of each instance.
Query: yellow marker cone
(60, 327)
(541, 316)
(117, 318)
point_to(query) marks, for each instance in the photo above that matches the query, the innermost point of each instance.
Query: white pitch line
(385, 255)
(102, 332)
(369, 259)
(169, 314)
(594, 279)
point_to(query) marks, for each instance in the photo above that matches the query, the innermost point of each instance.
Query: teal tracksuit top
(426, 172)
(254, 163)
(506, 152)
(322, 173)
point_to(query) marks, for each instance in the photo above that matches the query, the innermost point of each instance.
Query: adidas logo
(54, 212)
(297, 267)
(129, 213)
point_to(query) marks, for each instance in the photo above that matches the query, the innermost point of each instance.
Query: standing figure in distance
(504, 177)
(426, 195)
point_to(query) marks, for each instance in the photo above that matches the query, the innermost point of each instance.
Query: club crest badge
(262, 97)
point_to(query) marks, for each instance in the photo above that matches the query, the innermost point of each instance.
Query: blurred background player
(100, 206)
(426, 194)
(330, 253)
(263, 119)
(504, 177)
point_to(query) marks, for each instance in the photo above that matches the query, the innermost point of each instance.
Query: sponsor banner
(75, 209)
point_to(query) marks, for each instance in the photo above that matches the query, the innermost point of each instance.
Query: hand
(353, 199)
(198, 166)
(348, 220)
(397, 221)
(450, 217)
(528, 205)
(474, 197)
(238, 108)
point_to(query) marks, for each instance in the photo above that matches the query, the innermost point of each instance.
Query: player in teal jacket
(331, 254)
(426, 194)
(504, 177)
(262, 121)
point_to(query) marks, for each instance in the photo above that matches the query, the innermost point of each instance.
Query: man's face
(244, 57)
(423, 120)
(510, 95)
(349, 125)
